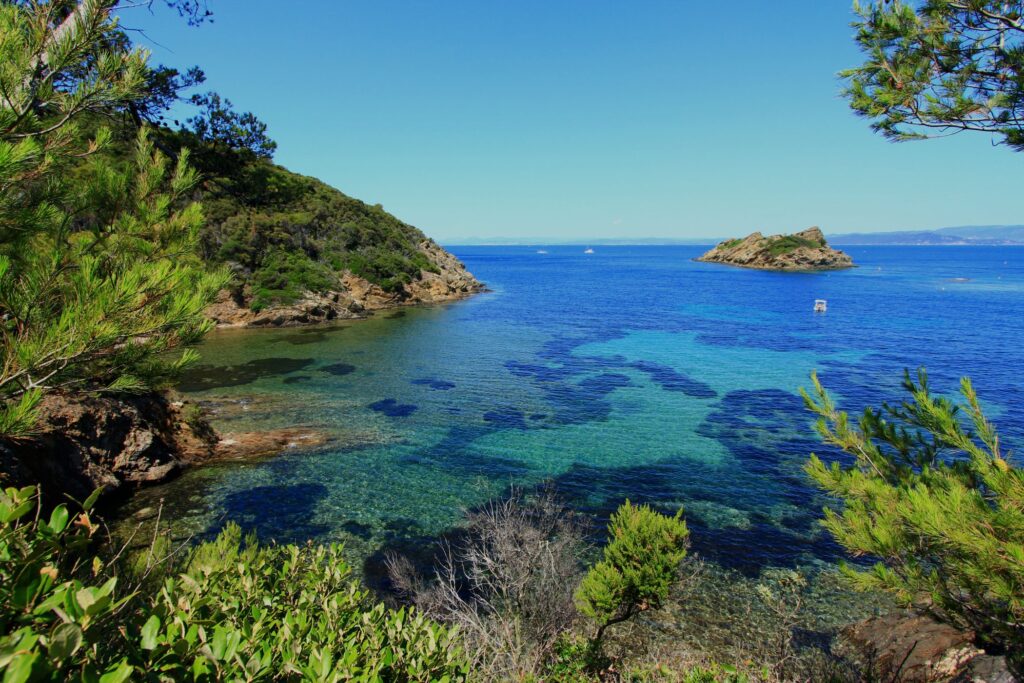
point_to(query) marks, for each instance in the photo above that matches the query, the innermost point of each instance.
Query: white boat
(588, 250)
(542, 251)
(820, 305)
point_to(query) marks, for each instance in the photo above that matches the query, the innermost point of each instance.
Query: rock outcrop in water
(358, 297)
(87, 442)
(124, 442)
(804, 251)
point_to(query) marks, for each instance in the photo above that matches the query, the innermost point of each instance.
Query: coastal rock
(124, 442)
(802, 251)
(452, 282)
(914, 648)
(358, 296)
(230, 310)
(84, 443)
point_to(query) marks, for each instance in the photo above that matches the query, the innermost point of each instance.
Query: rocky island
(801, 251)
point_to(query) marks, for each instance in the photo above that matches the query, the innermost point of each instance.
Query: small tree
(930, 495)
(219, 125)
(940, 67)
(639, 566)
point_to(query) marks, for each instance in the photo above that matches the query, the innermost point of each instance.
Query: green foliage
(219, 125)
(283, 276)
(272, 224)
(940, 66)
(930, 495)
(230, 609)
(787, 243)
(577, 661)
(638, 567)
(98, 272)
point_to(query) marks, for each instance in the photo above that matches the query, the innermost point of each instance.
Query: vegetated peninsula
(801, 251)
(301, 251)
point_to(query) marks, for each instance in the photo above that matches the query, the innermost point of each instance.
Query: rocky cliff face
(84, 443)
(357, 298)
(805, 251)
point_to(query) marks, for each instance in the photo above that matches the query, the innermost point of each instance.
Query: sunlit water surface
(632, 372)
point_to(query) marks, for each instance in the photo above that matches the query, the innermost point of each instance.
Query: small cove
(633, 372)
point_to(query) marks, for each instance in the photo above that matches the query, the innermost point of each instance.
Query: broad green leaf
(65, 641)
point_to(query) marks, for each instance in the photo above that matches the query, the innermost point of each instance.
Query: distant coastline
(965, 235)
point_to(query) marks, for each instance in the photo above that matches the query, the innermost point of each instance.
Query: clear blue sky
(555, 120)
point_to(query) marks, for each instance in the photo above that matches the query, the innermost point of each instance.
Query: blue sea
(632, 372)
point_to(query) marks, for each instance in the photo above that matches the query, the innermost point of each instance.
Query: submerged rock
(804, 251)
(246, 445)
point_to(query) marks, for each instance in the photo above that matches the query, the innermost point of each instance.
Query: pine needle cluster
(99, 277)
(932, 497)
(938, 67)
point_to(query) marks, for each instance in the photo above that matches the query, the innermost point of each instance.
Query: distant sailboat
(588, 250)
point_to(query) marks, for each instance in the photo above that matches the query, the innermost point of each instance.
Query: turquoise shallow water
(633, 372)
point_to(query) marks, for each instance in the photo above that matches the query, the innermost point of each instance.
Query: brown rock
(915, 648)
(245, 445)
(230, 310)
(114, 442)
(802, 251)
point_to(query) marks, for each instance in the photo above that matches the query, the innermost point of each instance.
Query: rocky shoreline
(121, 443)
(358, 297)
(802, 251)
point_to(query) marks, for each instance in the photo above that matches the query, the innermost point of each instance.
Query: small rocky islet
(802, 251)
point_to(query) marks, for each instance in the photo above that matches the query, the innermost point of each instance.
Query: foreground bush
(514, 585)
(507, 584)
(930, 494)
(229, 609)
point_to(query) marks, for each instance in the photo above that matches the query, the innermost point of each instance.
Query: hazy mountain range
(963, 234)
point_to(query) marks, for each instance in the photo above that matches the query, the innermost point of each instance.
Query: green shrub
(639, 566)
(285, 276)
(930, 495)
(576, 661)
(255, 210)
(230, 609)
(788, 243)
